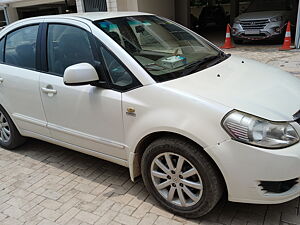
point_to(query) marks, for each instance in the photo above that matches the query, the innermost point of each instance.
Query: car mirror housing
(80, 74)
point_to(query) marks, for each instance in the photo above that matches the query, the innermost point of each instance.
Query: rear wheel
(181, 177)
(10, 137)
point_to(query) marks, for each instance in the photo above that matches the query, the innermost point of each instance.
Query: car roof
(105, 15)
(93, 16)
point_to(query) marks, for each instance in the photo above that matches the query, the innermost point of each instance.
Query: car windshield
(269, 5)
(164, 49)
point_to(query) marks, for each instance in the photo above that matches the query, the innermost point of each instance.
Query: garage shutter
(95, 5)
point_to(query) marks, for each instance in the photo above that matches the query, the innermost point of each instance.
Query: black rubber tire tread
(212, 182)
(16, 139)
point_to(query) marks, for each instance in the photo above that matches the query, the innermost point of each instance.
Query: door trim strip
(29, 120)
(86, 136)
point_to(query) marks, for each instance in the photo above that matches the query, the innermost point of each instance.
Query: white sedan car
(149, 94)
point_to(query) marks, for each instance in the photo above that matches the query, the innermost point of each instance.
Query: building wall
(165, 8)
(127, 5)
(111, 5)
(12, 14)
(25, 3)
(182, 12)
(79, 6)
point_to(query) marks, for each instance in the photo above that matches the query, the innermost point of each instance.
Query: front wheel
(181, 177)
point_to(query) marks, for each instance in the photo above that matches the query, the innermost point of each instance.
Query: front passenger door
(84, 116)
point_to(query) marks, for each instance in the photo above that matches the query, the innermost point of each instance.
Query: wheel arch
(136, 156)
(10, 116)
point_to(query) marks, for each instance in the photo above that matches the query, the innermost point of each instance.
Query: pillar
(182, 12)
(234, 10)
(297, 38)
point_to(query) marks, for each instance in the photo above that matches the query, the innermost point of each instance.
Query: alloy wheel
(176, 179)
(4, 129)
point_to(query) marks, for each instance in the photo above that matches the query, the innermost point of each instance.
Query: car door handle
(1, 80)
(49, 91)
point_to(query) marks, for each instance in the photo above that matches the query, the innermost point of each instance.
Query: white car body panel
(19, 95)
(153, 115)
(93, 120)
(237, 88)
(73, 21)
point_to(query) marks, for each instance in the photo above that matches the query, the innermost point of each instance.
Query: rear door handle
(1, 80)
(49, 90)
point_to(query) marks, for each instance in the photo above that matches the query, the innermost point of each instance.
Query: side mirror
(80, 74)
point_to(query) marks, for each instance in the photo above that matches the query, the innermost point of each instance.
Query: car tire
(168, 185)
(10, 138)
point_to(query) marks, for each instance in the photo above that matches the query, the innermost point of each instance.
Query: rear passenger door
(19, 79)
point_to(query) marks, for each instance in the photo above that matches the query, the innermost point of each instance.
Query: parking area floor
(46, 184)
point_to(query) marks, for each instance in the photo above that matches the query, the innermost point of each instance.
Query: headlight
(259, 132)
(276, 19)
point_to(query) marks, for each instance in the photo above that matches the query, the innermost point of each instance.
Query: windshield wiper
(196, 66)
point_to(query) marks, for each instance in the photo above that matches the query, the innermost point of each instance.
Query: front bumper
(244, 167)
(272, 31)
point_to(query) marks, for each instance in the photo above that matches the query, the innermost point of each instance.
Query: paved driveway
(44, 184)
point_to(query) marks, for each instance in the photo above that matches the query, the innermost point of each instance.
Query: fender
(161, 113)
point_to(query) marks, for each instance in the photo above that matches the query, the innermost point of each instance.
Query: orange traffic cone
(288, 39)
(227, 43)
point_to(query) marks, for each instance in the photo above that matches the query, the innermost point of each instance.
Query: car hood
(244, 85)
(261, 15)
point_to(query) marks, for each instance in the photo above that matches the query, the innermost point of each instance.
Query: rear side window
(20, 49)
(1, 50)
(66, 46)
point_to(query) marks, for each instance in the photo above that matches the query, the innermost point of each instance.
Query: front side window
(1, 49)
(66, 46)
(163, 48)
(20, 49)
(118, 74)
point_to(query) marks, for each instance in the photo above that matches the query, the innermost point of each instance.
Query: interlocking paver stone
(87, 217)
(66, 217)
(14, 212)
(50, 214)
(148, 219)
(125, 219)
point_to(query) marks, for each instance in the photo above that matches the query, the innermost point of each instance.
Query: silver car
(264, 20)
